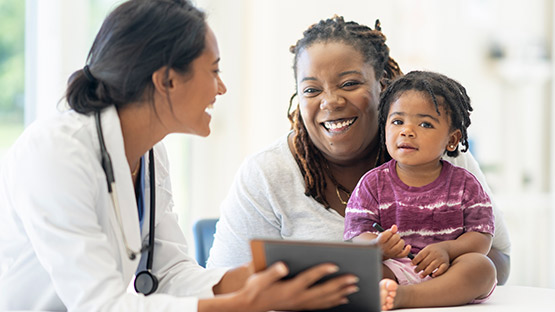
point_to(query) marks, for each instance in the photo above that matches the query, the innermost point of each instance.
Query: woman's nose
(221, 87)
(331, 101)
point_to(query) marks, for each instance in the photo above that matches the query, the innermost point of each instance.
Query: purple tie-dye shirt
(453, 204)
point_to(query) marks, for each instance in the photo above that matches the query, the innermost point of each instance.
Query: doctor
(85, 199)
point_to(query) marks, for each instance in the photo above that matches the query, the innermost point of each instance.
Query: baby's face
(415, 133)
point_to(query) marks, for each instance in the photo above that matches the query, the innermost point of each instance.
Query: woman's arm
(245, 213)
(234, 279)
(502, 263)
(501, 245)
(264, 291)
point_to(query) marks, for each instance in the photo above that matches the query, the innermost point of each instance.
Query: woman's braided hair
(371, 44)
(452, 97)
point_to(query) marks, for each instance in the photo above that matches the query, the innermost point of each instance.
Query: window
(12, 55)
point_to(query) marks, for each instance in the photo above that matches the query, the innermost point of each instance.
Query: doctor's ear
(162, 79)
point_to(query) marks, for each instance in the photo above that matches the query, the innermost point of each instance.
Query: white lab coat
(60, 242)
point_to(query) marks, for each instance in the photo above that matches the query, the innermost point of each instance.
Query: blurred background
(500, 50)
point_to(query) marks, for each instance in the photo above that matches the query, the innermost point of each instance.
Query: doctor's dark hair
(442, 91)
(371, 44)
(138, 38)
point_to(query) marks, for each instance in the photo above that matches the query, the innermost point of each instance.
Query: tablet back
(363, 261)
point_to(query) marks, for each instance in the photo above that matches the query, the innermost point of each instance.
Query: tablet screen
(364, 261)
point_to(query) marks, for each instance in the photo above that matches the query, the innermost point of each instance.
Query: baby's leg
(469, 277)
(387, 273)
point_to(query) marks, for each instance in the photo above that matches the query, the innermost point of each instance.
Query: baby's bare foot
(388, 291)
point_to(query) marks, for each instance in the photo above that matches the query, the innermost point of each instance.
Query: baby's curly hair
(453, 96)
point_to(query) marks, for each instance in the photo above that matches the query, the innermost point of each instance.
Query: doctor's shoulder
(61, 137)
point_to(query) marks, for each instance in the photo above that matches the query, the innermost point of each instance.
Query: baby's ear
(454, 139)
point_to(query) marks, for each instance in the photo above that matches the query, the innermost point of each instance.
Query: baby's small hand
(392, 245)
(433, 259)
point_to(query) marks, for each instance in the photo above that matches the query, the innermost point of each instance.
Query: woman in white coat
(73, 238)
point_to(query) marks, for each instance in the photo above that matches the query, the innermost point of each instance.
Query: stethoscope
(145, 282)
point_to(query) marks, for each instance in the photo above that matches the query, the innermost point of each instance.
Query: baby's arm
(389, 241)
(437, 257)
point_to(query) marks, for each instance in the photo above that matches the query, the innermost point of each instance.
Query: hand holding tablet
(364, 261)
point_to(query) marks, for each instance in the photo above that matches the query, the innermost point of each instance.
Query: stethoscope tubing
(111, 183)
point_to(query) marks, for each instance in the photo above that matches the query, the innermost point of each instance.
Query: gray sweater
(267, 200)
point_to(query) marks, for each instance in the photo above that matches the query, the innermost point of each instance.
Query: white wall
(511, 129)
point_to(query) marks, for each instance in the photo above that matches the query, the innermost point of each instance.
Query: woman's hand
(265, 291)
(392, 245)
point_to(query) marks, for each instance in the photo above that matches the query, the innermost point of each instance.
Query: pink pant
(403, 270)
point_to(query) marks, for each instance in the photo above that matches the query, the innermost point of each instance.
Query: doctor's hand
(234, 279)
(265, 291)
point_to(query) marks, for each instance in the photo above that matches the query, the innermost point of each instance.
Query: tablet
(364, 261)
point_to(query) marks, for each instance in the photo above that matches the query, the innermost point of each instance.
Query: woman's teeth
(209, 109)
(334, 125)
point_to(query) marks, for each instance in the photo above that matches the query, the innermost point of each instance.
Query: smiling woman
(338, 94)
(78, 243)
(299, 186)
(200, 87)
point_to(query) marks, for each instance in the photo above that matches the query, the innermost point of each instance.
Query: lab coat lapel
(125, 191)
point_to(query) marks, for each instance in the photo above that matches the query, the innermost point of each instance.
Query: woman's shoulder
(464, 160)
(47, 135)
(273, 166)
(276, 155)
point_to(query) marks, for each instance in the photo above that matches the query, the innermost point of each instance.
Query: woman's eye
(397, 122)
(350, 84)
(310, 91)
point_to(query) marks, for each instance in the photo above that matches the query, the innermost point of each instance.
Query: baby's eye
(426, 125)
(397, 122)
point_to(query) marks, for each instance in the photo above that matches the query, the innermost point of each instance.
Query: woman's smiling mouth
(339, 125)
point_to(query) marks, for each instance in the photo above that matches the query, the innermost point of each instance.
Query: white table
(507, 299)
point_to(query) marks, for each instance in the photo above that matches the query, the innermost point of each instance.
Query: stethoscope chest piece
(146, 283)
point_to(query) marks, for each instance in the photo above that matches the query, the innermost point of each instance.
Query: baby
(429, 207)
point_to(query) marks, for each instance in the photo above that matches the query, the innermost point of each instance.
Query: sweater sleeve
(246, 213)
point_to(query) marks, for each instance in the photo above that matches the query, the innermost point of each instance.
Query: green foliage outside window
(12, 55)
(12, 60)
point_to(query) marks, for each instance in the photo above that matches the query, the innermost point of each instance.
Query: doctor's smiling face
(339, 96)
(192, 94)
